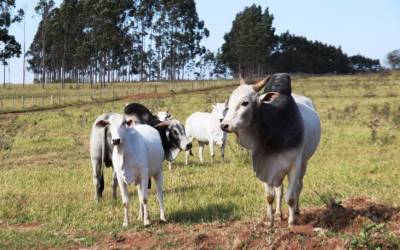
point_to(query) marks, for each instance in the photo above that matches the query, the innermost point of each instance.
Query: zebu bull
(137, 155)
(282, 132)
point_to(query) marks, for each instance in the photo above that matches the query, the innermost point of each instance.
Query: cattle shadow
(208, 213)
(352, 214)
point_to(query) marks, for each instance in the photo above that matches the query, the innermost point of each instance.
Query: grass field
(47, 196)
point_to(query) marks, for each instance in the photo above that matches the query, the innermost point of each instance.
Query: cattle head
(117, 124)
(176, 134)
(164, 115)
(220, 110)
(242, 102)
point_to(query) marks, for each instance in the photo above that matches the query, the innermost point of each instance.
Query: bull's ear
(102, 123)
(268, 97)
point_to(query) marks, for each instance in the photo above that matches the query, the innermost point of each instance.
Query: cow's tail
(99, 170)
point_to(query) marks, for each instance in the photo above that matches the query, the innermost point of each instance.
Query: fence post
(13, 102)
(33, 102)
(51, 99)
(1, 103)
(42, 101)
(23, 103)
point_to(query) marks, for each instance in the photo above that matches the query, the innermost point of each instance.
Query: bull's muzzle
(116, 141)
(225, 127)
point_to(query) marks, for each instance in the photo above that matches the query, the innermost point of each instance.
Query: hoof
(146, 223)
(125, 224)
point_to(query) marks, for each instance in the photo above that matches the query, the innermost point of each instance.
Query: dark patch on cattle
(279, 123)
(280, 83)
(146, 117)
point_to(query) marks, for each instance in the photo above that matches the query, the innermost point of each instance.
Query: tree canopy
(9, 47)
(106, 41)
(252, 47)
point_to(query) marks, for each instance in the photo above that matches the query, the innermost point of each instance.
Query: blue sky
(367, 27)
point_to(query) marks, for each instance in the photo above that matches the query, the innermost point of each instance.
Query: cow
(205, 128)
(281, 130)
(137, 155)
(172, 132)
(101, 155)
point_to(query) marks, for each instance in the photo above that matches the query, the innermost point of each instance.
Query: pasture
(350, 198)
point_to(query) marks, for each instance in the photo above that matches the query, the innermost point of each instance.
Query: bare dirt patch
(317, 228)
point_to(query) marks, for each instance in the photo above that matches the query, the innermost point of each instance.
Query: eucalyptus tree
(9, 47)
(43, 9)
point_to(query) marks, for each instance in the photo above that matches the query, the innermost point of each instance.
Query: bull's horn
(259, 85)
(163, 124)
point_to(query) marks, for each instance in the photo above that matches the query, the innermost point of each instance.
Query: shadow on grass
(208, 213)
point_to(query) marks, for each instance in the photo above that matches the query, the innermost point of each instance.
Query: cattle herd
(280, 129)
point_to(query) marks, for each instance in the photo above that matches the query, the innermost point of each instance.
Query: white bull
(205, 128)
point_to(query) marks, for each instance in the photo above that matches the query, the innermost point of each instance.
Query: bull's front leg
(279, 195)
(292, 195)
(201, 151)
(270, 194)
(125, 199)
(212, 154)
(114, 184)
(223, 152)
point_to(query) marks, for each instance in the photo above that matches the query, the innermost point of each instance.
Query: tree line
(253, 48)
(108, 41)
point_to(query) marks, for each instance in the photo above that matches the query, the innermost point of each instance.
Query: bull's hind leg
(292, 193)
(159, 178)
(270, 194)
(98, 180)
(279, 195)
(144, 198)
(300, 186)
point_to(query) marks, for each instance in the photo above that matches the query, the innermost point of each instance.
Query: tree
(249, 42)
(43, 8)
(9, 47)
(359, 63)
(393, 59)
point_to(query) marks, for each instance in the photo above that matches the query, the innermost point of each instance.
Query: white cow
(281, 130)
(137, 155)
(206, 129)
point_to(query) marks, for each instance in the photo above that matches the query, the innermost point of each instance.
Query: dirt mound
(357, 223)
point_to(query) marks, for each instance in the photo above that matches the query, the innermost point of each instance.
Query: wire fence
(31, 99)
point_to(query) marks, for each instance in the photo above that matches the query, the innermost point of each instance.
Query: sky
(367, 27)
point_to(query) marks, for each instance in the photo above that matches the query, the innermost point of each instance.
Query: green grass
(46, 174)
(33, 97)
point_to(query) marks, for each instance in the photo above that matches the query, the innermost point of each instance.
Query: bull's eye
(245, 103)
